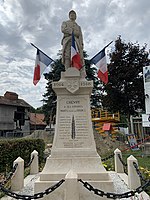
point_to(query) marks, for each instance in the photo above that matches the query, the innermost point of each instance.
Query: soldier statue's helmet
(72, 12)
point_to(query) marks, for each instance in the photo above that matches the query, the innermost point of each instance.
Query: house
(14, 115)
(37, 121)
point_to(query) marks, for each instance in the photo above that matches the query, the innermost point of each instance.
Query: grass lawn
(143, 161)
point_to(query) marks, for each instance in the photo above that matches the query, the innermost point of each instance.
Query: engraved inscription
(86, 83)
(58, 84)
(73, 111)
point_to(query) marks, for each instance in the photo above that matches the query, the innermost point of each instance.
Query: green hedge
(10, 150)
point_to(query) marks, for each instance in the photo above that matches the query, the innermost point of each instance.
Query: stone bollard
(71, 184)
(118, 164)
(34, 167)
(17, 180)
(133, 178)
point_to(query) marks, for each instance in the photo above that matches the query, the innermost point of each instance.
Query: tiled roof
(16, 102)
(37, 118)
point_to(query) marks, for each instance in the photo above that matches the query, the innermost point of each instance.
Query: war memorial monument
(73, 154)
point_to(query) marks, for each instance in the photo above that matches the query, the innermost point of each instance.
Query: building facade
(14, 115)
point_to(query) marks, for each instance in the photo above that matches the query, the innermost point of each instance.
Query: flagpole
(108, 44)
(102, 49)
(41, 51)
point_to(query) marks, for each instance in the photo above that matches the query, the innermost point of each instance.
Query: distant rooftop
(11, 99)
(37, 118)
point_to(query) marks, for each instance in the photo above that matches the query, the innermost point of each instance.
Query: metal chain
(119, 156)
(138, 172)
(31, 160)
(123, 163)
(114, 195)
(35, 196)
(107, 158)
(85, 184)
(143, 187)
(4, 181)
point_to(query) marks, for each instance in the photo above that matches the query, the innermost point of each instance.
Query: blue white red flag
(42, 61)
(75, 56)
(100, 61)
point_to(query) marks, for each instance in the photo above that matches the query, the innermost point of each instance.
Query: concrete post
(131, 121)
(133, 178)
(34, 167)
(71, 184)
(118, 164)
(17, 181)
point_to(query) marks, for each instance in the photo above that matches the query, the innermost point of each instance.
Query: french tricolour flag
(100, 61)
(42, 61)
(75, 56)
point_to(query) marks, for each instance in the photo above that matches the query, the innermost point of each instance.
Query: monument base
(88, 169)
(85, 167)
(73, 154)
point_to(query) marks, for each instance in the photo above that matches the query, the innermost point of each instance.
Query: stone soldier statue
(67, 28)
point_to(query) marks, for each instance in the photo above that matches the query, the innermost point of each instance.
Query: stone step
(88, 177)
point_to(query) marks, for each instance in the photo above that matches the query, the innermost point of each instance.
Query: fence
(136, 182)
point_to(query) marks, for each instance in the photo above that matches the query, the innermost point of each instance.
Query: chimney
(11, 95)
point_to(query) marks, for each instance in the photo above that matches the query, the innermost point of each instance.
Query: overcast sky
(39, 21)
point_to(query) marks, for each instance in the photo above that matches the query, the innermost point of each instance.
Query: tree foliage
(125, 89)
(91, 74)
(36, 110)
(50, 99)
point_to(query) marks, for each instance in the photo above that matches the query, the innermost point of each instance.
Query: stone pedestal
(118, 164)
(133, 178)
(73, 146)
(147, 148)
(34, 167)
(17, 180)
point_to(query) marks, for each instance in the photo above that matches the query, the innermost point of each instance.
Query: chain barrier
(138, 172)
(136, 145)
(123, 163)
(107, 158)
(31, 160)
(114, 195)
(29, 197)
(9, 176)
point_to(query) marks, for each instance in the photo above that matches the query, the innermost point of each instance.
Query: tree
(125, 89)
(37, 110)
(50, 98)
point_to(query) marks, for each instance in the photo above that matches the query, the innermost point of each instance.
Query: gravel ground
(29, 188)
(119, 185)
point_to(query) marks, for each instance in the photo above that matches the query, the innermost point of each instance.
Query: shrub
(10, 150)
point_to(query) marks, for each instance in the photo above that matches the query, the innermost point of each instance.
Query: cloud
(39, 22)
